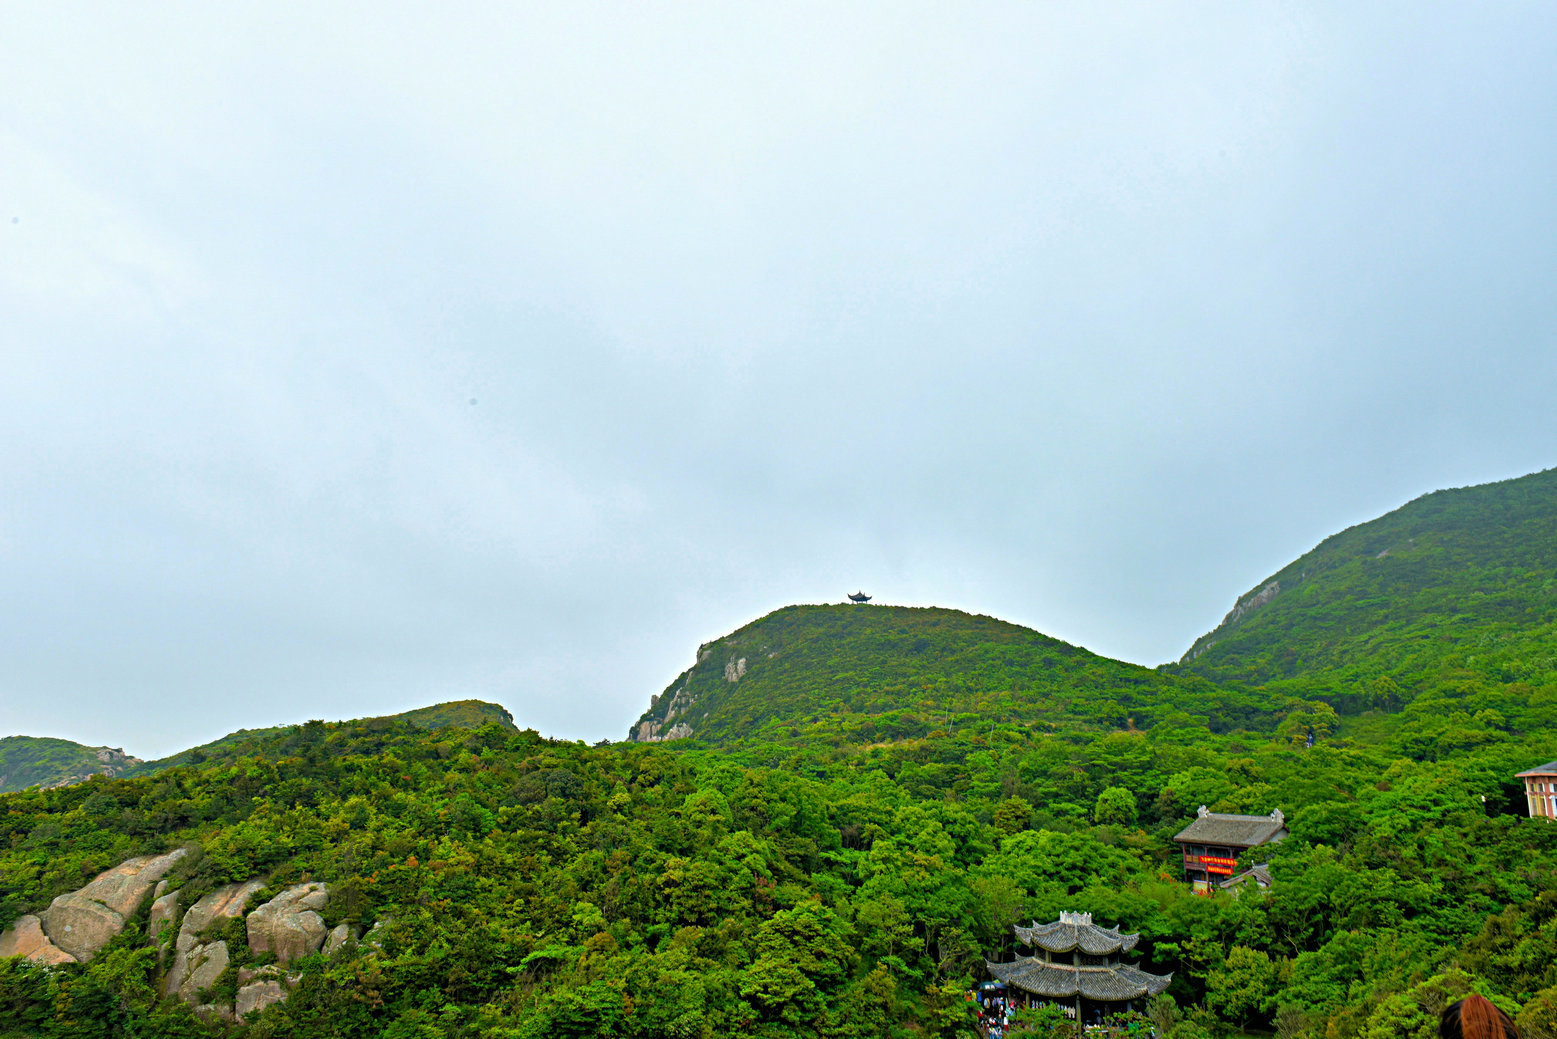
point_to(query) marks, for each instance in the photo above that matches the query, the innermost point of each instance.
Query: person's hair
(1474, 1017)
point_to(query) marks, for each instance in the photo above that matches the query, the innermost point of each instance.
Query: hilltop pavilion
(1077, 964)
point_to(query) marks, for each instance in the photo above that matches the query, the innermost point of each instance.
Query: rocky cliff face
(670, 715)
(1241, 609)
(289, 925)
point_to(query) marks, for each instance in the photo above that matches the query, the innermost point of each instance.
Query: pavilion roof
(1241, 831)
(1058, 980)
(1076, 931)
(1260, 874)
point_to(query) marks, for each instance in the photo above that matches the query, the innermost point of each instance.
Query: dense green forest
(862, 813)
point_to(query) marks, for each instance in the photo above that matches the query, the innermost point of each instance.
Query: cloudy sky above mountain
(361, 356)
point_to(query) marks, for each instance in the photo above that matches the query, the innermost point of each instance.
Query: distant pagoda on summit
(1077, 964)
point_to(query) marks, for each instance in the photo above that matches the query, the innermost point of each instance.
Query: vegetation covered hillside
(1446, 607)
(864, 674)
(869, 798)
(522, 887)
(43, 761)
(39, 761)
(278, 741)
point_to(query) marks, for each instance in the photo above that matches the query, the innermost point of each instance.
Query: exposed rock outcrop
(1252, 603)
(1241, 609)
(196, 969)
(289, 925)
(26, 938)
(654, 730)
(77, 925)
(80, 925)
(260, 988)
(164, 910)
(196, 964)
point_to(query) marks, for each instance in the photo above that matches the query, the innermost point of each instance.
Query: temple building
(1541, 791)
(1213, 842)
(1077, 965)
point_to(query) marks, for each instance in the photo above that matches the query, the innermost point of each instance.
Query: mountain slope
(27, 761)
(851, 673)
(275, 741)
(43, 761)
(1455, 591)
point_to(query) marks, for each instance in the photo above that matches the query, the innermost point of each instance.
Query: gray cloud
(1084, 319)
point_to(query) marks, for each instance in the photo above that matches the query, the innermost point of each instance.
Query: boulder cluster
(289, 926)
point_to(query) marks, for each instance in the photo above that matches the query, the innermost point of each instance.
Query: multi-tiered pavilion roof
(1078, 958)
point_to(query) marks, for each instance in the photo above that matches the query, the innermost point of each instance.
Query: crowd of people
(994, 1009)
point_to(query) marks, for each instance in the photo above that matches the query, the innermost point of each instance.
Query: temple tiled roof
(1243, 831)
(1076, 931)
(1548, 769)
(1259, 874)
(1059, 980)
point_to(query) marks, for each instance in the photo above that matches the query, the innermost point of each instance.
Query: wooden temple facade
(1213, 842)
(1078, 965)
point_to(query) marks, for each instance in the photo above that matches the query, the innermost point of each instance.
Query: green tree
(1115, 805)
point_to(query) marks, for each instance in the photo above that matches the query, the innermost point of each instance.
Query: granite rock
(26, 938)
(193, 959)
(82, 922)
(164, 909)
(289, 925)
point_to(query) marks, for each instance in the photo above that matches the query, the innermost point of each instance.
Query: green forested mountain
(279, 740)
(1445, 608)
(858, 816)
(1454, 568)
(865, 674)
(41, 761)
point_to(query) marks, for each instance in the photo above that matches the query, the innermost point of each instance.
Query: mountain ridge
(875, 671)
(46, 761)
(1451, 564)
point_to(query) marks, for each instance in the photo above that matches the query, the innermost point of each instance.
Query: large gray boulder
(202, 964)
(260, 988)
(26, 938)
(124, 887)
(223, 904)
(80, 925)
(257, 995)
(289, 925)
(83, 921)
(194, 961)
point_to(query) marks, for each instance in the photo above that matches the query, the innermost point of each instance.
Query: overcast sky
(363, 356)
